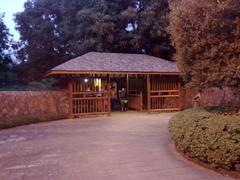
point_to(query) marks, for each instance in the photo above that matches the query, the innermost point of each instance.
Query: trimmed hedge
(25, 120)
(209, 137)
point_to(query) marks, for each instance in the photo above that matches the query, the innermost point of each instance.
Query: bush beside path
(210, 137)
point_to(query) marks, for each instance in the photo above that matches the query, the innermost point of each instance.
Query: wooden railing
(88, 101)
(165, 100)
(90, 105)
(164, 94)
(164, 103)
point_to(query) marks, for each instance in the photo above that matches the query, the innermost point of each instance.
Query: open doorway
(117, 86)
(127, 93)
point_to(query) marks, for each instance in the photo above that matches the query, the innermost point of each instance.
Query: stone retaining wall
(33, 103)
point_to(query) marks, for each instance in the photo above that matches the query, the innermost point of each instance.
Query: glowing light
(97, 82)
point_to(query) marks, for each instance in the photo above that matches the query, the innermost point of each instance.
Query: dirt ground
(124, 146)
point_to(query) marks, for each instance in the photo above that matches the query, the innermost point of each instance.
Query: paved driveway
(125, 146)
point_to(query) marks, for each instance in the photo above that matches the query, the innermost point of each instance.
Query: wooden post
(180, 94)
(148, 93)
(109, 96)
(70, 111)
(127, 87)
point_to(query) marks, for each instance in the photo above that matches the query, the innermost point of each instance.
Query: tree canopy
(206, 35)
(55, 31)
(5, 59)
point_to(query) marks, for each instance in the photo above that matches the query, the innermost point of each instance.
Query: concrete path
(125, 146)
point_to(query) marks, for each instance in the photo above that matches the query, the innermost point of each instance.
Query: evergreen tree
(55, 31)
(5, 59)
(149, 21)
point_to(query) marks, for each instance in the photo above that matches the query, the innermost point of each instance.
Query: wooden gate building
(94, 80)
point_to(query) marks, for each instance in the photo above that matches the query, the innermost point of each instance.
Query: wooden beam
(109, 95)
(110, 73)
(127, 88)
(70, 110)
(94, 113)
(164, 110)
(90, 98)
(148, 93)
(161, 91)
(159, 96)
(179, 88)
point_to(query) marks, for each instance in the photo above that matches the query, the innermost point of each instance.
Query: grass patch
(208, 136)
(25, 120)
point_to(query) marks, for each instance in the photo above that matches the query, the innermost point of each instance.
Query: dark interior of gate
(99, 93)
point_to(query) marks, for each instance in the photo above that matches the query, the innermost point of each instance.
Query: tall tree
(55, 31)
(206, 34)
(149, 20)
(5, 59)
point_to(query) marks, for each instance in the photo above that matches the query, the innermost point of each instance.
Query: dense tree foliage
(55, 31)
(206, 35)
(5, 59)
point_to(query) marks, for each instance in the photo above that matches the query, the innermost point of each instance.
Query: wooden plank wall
(164, 93)
(135, 102)
(138, 86)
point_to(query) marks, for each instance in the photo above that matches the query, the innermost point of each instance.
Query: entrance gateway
(95, 80)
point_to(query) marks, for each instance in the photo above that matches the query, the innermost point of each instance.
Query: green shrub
(209, 137)
(25, 120)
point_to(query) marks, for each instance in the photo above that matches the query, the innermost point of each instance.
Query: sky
(10, 7)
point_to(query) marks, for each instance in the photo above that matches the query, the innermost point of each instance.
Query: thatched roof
(117, 62)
